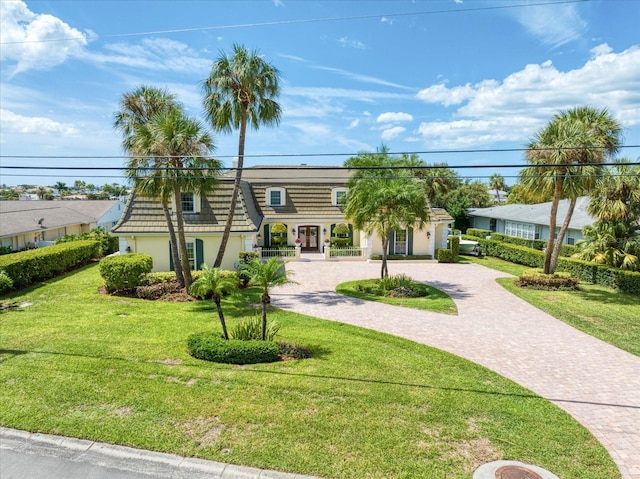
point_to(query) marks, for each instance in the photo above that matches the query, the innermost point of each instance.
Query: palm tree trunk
(563, 230)
(184, 255)
(221, 316)
(177, 265)
(264, 319)
(384, 271)
(234, 195)
(552, 225)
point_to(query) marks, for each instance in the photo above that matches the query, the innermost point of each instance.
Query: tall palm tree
(565, 160)
(266, 276)
(137, 108)
(240, 91)
(183, 146)
(213, 282)
(616, 196)
(496, 183)
(383, 200)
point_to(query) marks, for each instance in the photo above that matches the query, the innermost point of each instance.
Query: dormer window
(188, 202)
(338, 196)
(275, 197)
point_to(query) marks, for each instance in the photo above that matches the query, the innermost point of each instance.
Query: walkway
(598, 384)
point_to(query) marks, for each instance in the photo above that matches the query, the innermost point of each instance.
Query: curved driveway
(598, 384)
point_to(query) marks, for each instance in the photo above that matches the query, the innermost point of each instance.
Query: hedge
(622, 280)
(454, 246)
(478, 233)
(401, 257)
(27, 267)
(444, 255)
(125, 272)
(565, 249)
(212, 347)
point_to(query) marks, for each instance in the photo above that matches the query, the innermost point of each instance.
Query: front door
(308, 237)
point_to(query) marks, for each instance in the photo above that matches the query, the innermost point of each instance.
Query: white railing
(345, 252)
(286, 252)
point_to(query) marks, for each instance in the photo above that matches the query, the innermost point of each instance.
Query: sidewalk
(598, 384)
(24, 455)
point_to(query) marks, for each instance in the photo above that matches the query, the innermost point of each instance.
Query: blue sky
(418, 76)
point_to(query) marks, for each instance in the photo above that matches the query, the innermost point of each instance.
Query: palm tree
(181, 145)
(266, 276)
(382, 199)
(610, 243)
(137, 109)
(240, 90)
(496, 183)
(565, 160)
(616, 196)
(215, 283)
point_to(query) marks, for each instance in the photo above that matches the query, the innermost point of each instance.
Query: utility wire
(295, 22)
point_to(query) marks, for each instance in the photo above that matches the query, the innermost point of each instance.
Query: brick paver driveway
(596, 383)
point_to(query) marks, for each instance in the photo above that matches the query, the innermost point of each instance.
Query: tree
(612, 243)
(382, 199)
(266, 276)
(137, 109)
(240, 91)
(565, 160)
(496, 183)
(465, 196)
(180, 145)
(213, 282)
(521, 195)
(61, 187)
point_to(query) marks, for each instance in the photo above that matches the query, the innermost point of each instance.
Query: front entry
(308, 237)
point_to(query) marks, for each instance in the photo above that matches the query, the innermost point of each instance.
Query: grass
(437, 301)
(367, 405)
(602, 312)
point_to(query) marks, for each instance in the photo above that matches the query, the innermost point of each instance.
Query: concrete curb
(127, 459)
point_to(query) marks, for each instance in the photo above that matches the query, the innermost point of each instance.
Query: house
(532, 221)
(27, 224)
(276, 207)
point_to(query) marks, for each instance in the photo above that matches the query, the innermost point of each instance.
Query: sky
(452, 81)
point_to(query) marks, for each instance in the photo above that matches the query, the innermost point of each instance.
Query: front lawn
(366, 405)
(602, 312)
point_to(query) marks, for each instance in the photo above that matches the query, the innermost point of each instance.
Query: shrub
(6, 250)
(536, 279)
(212, 347)
(158, 290)
(454, 245)
(250, 329)
(5, 282)
(478, 233)
(27, 267)
(125, 272)
(398, 286)
(394, 257)
(293, 351)
(444, 255)
(108, 244)
(244, 258)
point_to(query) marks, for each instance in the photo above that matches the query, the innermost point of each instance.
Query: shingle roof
(538, 214)
(144, 215)
(308, 200)
(18, 217)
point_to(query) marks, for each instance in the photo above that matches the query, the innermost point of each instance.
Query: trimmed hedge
(211, 346)
(536, 279)
(454, 246)
(125, 272)
(444, 255)
(400, 257)
(27, 267)
(478, 233)
(622, 280)
(5, 282)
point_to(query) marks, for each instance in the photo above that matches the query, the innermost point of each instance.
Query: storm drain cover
(516, 472)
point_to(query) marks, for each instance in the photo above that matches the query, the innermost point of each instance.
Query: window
(191, 253)
(275, 197)
(400, 244)
(492, 224)
(188, 202)
(520, 230)
(338, 196)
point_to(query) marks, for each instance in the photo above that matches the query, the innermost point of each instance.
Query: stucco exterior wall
(158, 248)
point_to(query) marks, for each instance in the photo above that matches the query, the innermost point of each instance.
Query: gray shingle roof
(18, 217)
(538, 214)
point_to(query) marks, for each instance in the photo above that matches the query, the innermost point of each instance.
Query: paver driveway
(596, 383)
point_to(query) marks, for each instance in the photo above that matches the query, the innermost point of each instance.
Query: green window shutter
(170, 258)
(266, 236)
(392, 243)
(199, 259)
(350, 234)
(410, 241)
(331, 228)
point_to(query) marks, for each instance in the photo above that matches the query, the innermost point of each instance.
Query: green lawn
(367, 405)
(436, 300)
(601, 312)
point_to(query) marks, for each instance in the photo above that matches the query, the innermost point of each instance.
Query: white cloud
(12, 122)
(353, 124)
(278, 3)
(555, 24)
(362, 78)
(391, 133)
(391, 117)
(347, 42)
(514, 108)
(31, 40)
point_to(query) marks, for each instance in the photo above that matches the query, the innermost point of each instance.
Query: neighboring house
(498, 197)
(26, 224)
(276, 206)
(532, 221)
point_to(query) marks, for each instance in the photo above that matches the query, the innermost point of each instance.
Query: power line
(294, 22)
